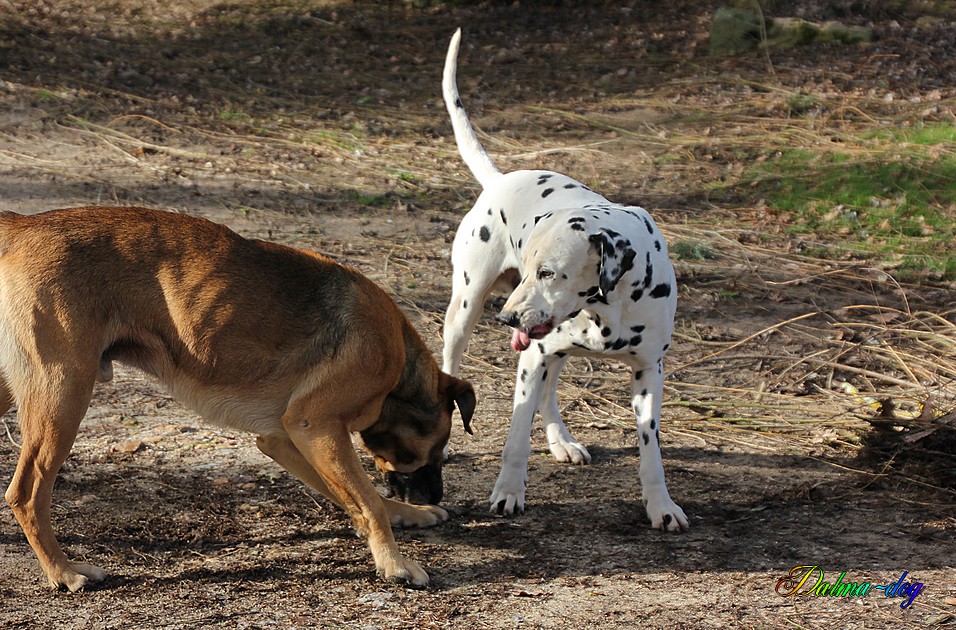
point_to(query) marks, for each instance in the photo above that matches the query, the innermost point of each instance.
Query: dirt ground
(320, 125)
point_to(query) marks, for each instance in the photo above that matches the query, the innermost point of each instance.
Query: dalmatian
(587, 277)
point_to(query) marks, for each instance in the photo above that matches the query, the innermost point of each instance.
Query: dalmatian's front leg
(647, 389)
(508, 494)
(564, 447)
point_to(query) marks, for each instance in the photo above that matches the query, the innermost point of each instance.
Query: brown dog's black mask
(424, 486)
(401, 423)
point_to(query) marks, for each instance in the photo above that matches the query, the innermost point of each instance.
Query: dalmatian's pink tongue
(520, 340)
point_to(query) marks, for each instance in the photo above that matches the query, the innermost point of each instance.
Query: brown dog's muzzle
(423, 486)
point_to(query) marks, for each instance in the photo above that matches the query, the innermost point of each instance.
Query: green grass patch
(691, 250)
(233, 115)
(925, 135)
(369, 200)
(891, 197)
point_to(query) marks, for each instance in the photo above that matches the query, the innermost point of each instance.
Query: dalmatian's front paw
(664, 513)
(508, 496)
(569, 450)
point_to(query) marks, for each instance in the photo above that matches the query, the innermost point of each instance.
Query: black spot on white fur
(546, 192)
(484, 234)
(503, 218)
(662, 290)
(615, 345)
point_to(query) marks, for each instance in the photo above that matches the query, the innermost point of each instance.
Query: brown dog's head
(410, 436)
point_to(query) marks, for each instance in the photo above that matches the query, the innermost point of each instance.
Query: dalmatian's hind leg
(564, 447)
(647, 387)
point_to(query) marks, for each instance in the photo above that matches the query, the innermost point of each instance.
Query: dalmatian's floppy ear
(615, 258)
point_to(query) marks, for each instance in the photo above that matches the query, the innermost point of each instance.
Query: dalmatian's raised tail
(469, 147)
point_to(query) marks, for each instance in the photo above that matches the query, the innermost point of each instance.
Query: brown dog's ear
(464, 396)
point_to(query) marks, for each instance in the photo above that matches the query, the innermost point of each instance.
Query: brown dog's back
(92, 274)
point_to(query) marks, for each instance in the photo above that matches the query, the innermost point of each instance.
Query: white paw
(664, 513)
(508, 496)
(569, 450)
(445, 451)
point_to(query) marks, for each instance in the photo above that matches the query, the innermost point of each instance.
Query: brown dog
(252, 335)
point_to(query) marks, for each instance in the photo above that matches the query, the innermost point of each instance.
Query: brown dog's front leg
(283, 452)
(327, 446)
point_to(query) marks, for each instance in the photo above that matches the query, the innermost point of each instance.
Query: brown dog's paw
(410, 515)
(76, 576)
(404, 571)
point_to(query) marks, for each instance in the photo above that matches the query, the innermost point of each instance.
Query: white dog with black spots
(588, 278)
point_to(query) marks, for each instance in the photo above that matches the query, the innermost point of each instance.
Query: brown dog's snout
(423, 486)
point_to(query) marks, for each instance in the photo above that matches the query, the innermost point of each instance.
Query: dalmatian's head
(568, 265)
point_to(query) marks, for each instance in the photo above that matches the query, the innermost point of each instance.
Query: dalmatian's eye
(545, 274)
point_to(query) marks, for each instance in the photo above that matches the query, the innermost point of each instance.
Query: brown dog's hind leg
(284, 453)
(49, 419)
(6, 398)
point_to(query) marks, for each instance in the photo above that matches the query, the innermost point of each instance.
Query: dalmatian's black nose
(508, 319)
